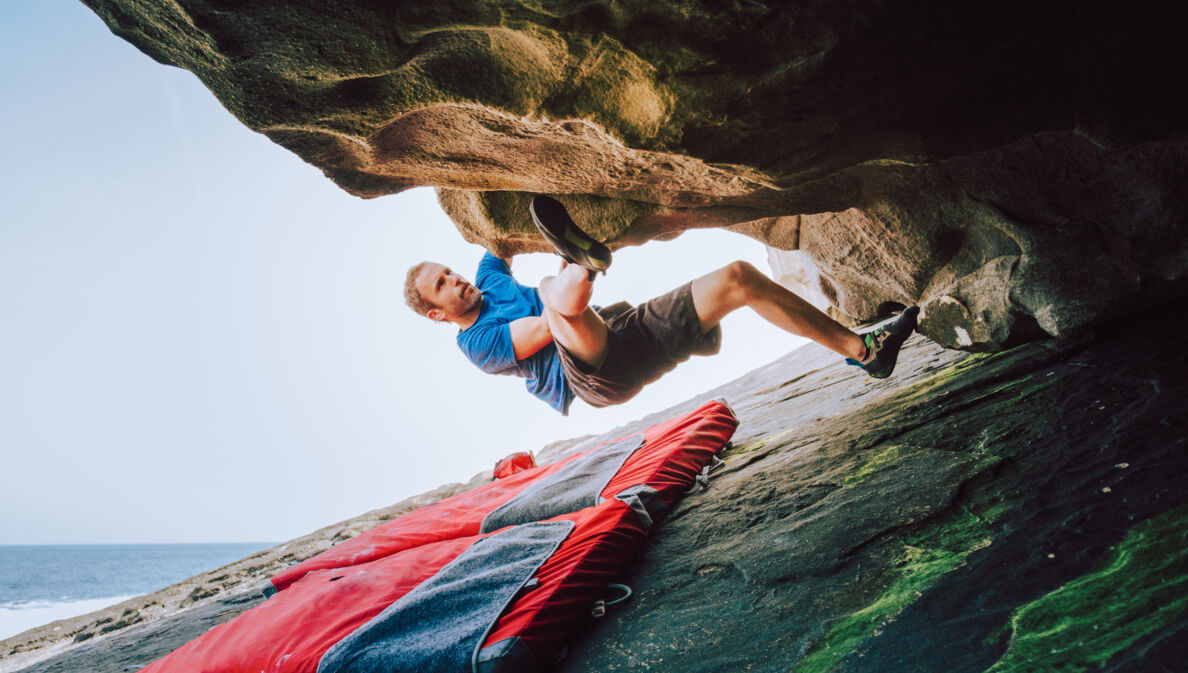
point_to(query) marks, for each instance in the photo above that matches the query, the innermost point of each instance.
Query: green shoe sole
(568, 240)
(890, 339)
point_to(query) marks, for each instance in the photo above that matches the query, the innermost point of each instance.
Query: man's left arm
(529, 335)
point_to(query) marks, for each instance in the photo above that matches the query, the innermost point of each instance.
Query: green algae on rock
(1138, 588)
(923, 557)
(885, 457)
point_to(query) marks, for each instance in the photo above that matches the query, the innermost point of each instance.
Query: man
(564, 347)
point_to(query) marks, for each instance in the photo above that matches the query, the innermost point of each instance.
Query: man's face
(451, 295)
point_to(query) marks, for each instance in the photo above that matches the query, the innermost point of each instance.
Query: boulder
(1015, 168)
(1013, 511)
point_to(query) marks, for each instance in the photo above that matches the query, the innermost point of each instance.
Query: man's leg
(740, 284)
(575, 326)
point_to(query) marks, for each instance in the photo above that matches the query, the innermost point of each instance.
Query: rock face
(1013, 167)
(1020, 511)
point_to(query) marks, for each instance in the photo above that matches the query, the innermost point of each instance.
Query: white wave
(18, 616)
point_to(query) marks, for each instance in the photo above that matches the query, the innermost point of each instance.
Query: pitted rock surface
(1015, 168)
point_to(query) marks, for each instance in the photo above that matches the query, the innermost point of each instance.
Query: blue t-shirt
(488, 343)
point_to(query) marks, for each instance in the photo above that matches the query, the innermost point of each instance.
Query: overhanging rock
(1013, 167)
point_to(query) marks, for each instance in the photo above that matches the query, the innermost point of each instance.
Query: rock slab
(1018, 511)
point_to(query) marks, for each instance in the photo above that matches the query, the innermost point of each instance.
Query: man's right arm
(490, 264)
(529, 335)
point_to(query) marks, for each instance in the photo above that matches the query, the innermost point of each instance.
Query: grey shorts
(644, 343)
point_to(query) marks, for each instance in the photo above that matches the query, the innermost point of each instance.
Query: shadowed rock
(1013, 167)
(1020, 511)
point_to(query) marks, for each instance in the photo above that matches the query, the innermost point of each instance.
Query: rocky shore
(1015, 511)
(223, 592)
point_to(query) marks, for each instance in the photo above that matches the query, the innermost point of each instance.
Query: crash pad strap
(577, 485)
(439, 626)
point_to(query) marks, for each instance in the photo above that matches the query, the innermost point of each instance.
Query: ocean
(41, 583)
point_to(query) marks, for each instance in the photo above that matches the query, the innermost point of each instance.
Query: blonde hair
(412, 296)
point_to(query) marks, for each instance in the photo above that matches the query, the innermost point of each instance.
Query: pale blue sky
(202, 338)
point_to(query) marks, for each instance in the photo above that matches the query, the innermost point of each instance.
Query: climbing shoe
(883, 344)
(567, 239)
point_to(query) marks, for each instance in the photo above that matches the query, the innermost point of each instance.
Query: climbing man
(564, 347)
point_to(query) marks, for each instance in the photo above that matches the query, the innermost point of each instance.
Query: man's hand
(529, 335)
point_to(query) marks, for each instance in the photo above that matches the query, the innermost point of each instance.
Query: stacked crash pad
(493, 580)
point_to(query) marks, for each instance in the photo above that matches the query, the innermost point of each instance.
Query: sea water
(41, 583)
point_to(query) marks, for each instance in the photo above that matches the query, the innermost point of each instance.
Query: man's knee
(743, 278)
(567, 293)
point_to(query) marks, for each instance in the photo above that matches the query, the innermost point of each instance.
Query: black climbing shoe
(883, 344)
(573, 244)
